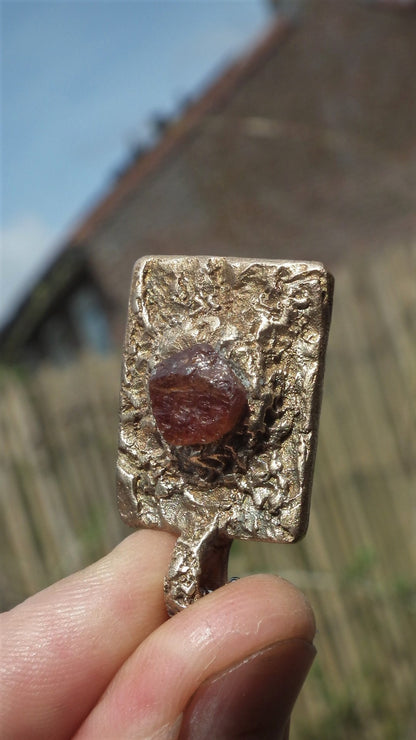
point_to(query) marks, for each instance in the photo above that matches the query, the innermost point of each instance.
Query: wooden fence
(358, 561)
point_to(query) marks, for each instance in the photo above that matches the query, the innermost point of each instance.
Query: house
(304, 148)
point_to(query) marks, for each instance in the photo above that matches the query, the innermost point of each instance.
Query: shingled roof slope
(302, 150)
(37, 299)
(180, 131)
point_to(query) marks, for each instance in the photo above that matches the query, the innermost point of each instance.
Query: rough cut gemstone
(196, 397)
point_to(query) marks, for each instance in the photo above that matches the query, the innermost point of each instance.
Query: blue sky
(80, 82)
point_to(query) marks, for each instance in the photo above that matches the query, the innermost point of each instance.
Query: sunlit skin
(95, 656)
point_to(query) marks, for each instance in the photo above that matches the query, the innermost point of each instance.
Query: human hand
(94, 656)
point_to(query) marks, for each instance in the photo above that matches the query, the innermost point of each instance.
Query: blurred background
(272, 129)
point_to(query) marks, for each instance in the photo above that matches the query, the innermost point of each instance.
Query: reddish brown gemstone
(196, 397)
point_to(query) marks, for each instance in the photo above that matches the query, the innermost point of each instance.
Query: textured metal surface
(270, 321)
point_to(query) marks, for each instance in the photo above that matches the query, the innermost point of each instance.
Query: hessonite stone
(196, 397)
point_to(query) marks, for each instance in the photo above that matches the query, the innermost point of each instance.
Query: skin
(95, 656)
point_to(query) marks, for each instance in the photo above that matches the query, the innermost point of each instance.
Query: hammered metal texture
(269, 320)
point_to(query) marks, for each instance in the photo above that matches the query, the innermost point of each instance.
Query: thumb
(253, 699)
(249, 644)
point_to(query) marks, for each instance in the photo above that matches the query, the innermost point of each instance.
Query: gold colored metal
(270, 321)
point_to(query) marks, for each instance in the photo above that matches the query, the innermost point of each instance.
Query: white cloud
(26, 245)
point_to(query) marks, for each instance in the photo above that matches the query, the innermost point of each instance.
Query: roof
(179, 132)
(36, 302)
(74, 251)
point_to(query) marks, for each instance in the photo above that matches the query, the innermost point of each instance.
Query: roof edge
(214, 97)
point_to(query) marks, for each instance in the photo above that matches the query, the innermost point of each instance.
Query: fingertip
(156, 543)
(269, 597)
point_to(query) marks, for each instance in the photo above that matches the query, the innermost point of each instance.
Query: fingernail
(253, 699)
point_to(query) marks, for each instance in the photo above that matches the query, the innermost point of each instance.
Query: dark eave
(59, 275)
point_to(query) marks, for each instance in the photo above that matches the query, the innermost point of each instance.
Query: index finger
(61, 647)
